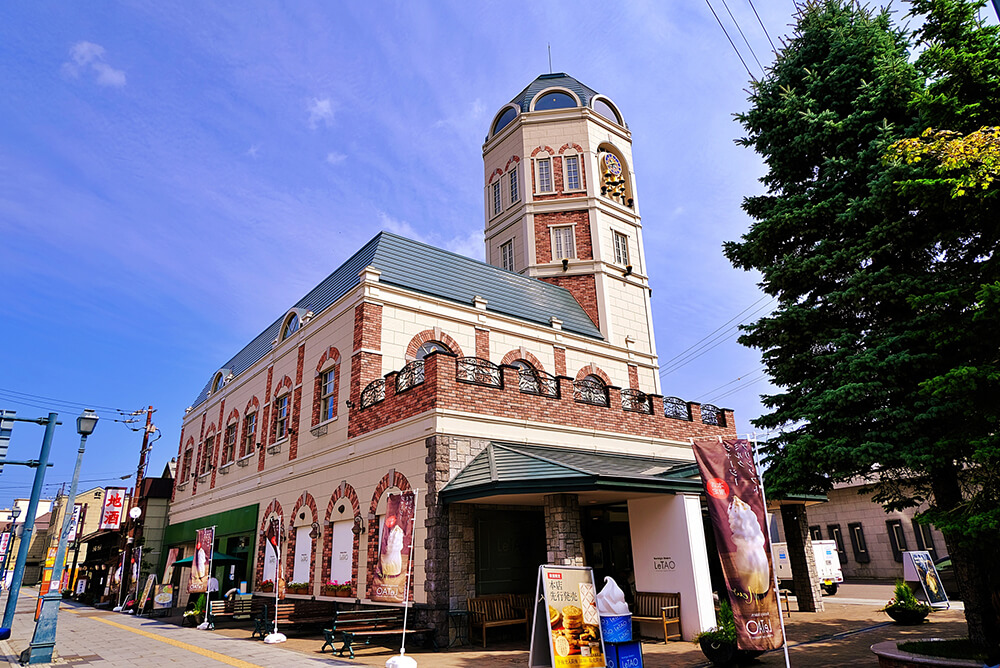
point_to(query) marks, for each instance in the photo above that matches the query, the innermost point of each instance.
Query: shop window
(562, 243)
(572, 172)
(897, 539)
(497, 203)
(249, 433)
(507, 255)
(836, 536)
(229, 444)
(858, 544)
(281, 417)
(544, 167)
(925, 539)
(621, 248)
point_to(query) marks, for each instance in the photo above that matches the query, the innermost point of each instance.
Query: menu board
(925, 572)
(567, 631)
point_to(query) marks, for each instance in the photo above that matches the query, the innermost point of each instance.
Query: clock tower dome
(561, 206)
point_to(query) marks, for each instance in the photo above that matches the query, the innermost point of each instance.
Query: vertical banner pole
(409, 567)
(774, 570)
(277, 573)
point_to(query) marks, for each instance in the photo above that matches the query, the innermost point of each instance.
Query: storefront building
(520, 397)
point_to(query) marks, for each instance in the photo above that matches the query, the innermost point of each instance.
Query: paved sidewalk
(89, 637)
(839, 636)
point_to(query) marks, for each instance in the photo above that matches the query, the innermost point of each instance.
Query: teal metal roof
(557, 80)
(511, 468)
(432, 271)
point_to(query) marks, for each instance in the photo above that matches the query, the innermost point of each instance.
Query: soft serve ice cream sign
(389, 581)
(736, 507)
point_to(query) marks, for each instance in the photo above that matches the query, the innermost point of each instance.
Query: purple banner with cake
(389, 581)
(736, 507)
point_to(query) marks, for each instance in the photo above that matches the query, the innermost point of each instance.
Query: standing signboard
(389, 582)
(567, 629)
(150, 582)
(201, 562)
(919, 566)
(164, 597)
(736, 507)
(111, 511)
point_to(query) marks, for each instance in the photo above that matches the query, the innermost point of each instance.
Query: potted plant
(266, 586)
(344, 589)
(195, 614)
(719, 644)
(330, 588)
(904, 608)
(297, 588)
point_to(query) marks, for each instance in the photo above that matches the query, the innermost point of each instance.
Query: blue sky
(173, 176)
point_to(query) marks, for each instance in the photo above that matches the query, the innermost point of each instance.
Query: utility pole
(134, 527)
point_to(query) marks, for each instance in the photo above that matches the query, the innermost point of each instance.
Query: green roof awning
(510, 468)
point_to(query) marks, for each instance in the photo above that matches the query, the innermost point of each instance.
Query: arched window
(505, 118)
(554, 99)
(431, 347)
(604, 108)
(291, 326)
(218, 382)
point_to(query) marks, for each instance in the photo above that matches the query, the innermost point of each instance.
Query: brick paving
(841, 635)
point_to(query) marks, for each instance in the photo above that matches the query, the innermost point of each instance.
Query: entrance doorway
(609, 545)
(510, 546)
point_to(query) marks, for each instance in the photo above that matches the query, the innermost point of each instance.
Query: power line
(62, 402)
(736, 380)
(738, 55)
(740, 388)
(745, 40)
(773, 48)
(709, 335)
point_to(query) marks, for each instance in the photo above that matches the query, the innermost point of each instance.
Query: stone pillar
(801, 558)
(563, 538)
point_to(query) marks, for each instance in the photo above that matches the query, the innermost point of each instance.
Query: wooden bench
(659, 607)
(290, 614)
(369, 623)
(238, 608)
(496, 610)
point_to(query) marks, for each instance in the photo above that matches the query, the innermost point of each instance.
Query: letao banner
(736, 507)
(389, 581)
(569, 623)
(201, 562)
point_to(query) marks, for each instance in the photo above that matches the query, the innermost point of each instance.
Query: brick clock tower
(561, 205)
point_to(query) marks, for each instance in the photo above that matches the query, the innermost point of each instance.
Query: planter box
(906, 617)
(726, 654)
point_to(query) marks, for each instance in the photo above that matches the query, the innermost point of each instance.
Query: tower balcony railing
(586, 391)
(637, 401)
(676, 408)
(373, 393)
(410, 375)
(478, 371)
(533, 381)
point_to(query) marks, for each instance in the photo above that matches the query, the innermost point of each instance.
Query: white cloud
(253, 150)
(400, 227)
(335, 158)
(89, 57)
(320, 111)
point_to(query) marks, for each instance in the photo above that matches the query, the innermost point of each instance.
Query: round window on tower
(504, 119)
(554, 99)
(607, 110)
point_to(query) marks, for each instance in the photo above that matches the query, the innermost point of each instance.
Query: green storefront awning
(237, 521)
(513, 468)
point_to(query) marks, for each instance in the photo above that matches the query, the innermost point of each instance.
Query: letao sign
(567, 631)
(736, 507)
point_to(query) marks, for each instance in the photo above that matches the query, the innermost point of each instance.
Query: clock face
(612, 164)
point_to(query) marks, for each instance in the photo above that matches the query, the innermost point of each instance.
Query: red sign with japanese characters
(113, 509)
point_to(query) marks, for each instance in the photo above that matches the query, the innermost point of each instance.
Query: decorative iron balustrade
(677, 409)
(713, 415)
(588, 391)
(637, 401)
(373, 393)
(410, 375)
(532, 381)
(479, 372)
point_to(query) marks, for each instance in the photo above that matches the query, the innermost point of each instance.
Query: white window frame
(497, 200)
(249, 433)
(507, 255)
(229, 447)
(554, 233)
(620, 243)
(548, 181)
(566, 173)
(515, 193)
(282, 420)
(327, 388)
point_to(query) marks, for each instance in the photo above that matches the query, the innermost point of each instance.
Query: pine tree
(886, 282)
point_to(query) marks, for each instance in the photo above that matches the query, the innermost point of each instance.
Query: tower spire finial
(550, 58)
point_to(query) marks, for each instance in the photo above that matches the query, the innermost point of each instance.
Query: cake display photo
(573, 618)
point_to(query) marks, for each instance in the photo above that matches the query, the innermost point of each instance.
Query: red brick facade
(580, 220)
(306, 500)
(482, 343)
(432, 335)
(583, 287)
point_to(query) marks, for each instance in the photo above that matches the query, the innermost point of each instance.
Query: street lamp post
(15, 512)
(29, 516)
(44, 639)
